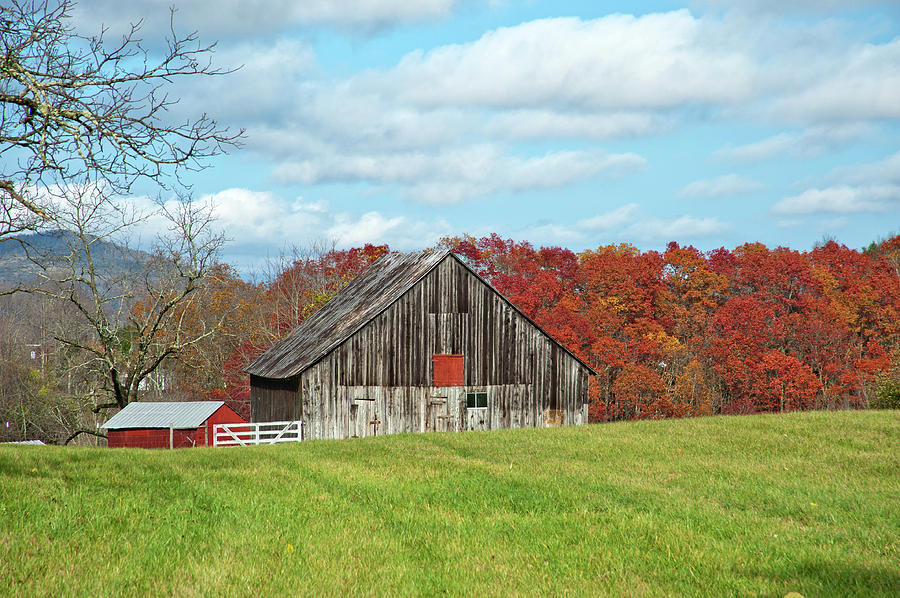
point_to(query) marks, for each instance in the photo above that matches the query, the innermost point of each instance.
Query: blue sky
(576, 124)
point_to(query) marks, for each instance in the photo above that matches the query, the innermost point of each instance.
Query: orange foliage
(685, 333)
(674, 334)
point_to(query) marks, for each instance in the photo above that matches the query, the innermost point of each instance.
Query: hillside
(16, 267)
(757, 505)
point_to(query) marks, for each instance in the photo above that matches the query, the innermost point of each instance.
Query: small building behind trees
(168, 424)
(416, 343)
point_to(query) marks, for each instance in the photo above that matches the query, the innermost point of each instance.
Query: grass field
(723, 506)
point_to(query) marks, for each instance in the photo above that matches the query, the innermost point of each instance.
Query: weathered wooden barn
(176, 424)
(418, 342)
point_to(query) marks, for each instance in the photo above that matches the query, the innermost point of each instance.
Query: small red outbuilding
(168, 425)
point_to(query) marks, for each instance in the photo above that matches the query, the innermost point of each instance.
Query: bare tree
(82, 121)
(132, 308)
(43, 394)
(79, 110)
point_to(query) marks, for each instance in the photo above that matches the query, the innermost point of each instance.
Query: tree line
(671, 334)
(86, 122)
(684, 333)
(677, 333)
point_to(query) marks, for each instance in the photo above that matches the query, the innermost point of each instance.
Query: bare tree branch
(75, 109)
(77, 433)
(83, 119)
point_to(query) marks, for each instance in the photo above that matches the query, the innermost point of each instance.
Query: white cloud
(254, 94)
(812, 141)
(660, 230)
(258, 221)
(860, 188)
(245, 18)
(843, 199)
(549, 234)
(610, 220)
(334, 123)
(780, 7)
(724, 186)
(550, 124)
(450, 124)
(399, 232)
(628, 222)
(885, 171)
(254, 217)
(617, 62)
(456, 175)
(864, 83)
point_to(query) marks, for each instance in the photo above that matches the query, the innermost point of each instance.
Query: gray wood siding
(389, 360)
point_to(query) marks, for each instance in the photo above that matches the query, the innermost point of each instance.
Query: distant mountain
(55, 247)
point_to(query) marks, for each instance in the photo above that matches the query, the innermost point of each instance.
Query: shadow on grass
(836, 579)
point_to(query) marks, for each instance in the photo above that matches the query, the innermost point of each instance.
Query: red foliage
(763, 329)
(674, 334)
(311, 280)
(639, 394)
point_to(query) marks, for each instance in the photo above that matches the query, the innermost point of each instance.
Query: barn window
(448, 370)
(476, 400)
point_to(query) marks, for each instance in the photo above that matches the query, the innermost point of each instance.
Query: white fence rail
(257, 433)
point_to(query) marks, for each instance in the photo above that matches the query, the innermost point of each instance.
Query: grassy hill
(723, 506)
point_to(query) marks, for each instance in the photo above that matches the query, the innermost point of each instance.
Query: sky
(575, 124)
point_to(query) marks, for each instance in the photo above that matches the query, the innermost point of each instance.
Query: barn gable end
(495, 367)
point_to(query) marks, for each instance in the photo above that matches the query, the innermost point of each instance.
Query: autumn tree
(695, 391)
(695, 291)
(224, 312)
(639, 393)
(863, 293)
(887, 250)
(688, 333)
(790, 384)
(303, 279)
(624, 292)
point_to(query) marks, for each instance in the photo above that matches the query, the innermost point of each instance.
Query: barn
(418, 342)
(168, 425)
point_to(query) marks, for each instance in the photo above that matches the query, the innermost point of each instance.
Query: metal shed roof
(183, 414)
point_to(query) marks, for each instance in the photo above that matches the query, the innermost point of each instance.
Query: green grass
(721, 506)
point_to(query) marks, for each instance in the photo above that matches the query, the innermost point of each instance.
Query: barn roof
(369, 294)
(179, 414)
(365, 297)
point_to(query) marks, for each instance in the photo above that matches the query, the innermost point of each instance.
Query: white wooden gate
(257, 433)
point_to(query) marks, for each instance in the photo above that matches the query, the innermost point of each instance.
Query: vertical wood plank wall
(389, 360)
(273, 400)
